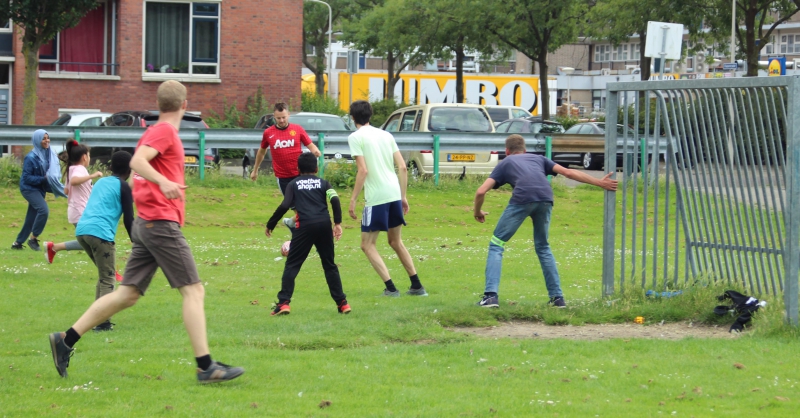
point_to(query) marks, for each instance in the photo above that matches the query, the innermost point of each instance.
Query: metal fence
(724, 205)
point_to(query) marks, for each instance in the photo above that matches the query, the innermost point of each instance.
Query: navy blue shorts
(382, 217)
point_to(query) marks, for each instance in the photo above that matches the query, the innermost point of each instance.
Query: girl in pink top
(78, 189)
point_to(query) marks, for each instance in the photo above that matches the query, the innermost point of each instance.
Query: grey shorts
(159, 244)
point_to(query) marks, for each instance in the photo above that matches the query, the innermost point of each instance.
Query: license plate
(461, 157)
(189, 160)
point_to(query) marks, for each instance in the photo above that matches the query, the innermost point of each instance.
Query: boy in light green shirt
(376, 155)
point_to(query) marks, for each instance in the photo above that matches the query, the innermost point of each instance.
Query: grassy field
(390, 357)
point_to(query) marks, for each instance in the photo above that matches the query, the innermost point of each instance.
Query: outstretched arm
(361, 177)
(606, 182)
(480, 195)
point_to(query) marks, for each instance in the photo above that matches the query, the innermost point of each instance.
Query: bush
(381, 110)
(232, 118)
(340, 173)
(567, 121)
(310, 102)
(10, 170)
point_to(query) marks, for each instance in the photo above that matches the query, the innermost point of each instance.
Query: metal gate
(722, 203)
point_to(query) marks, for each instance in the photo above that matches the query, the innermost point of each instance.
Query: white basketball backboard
(660, 40)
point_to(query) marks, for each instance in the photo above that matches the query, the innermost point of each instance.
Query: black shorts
(382, 217)
(282, 183)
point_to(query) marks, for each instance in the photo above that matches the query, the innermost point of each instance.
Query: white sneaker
(289, 222)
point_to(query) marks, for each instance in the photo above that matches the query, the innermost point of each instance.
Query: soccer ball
(285, 248)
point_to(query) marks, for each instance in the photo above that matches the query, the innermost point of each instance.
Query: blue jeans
(36, 218)
(511, 219)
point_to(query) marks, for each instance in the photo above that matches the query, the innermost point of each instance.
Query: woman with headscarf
(41, 173)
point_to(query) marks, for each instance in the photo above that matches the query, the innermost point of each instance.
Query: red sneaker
(118, 276)
(49, 254)
(282, 308)
(344, 307)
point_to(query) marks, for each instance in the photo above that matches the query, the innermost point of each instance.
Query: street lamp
(568, 72)
(330, 48)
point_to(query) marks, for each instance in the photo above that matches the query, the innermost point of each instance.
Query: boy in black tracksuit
(308, 194)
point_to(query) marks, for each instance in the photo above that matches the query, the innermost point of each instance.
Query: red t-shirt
(285, 144)
(151, 204)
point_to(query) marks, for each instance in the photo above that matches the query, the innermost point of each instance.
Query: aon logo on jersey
(284, 144)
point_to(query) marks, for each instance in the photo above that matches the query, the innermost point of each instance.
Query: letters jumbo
(423, 88)
(284, 144)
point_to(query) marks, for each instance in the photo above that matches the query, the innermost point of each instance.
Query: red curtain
(84, 43)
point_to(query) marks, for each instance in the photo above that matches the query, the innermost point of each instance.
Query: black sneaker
(558, 302)
(61, 353)
(105, 326)
(489, 302)
(281, 308)
(343, 307)
(33, 243)
(218, 372)
(17, 246)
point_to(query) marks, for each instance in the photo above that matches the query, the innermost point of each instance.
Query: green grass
(390, 357)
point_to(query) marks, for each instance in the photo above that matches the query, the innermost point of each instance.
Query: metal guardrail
(329, 143)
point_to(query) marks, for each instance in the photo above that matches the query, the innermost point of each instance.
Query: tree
(315, 33)
(617, 20)
(459, 31)
(398, 31)
(40, 22)
(534, 27)
(754, 15)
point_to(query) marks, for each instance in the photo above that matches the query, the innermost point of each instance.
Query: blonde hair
(171, 95)
(515, 143)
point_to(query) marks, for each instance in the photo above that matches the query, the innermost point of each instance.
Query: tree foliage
(534, 28)
(315, 33)
(40, 22)
(399, 31)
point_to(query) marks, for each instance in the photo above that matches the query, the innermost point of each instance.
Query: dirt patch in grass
(594, 332)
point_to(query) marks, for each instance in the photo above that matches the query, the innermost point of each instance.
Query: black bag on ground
(741, 304)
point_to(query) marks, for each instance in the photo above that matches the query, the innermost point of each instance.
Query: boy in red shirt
(158, 193)
(286, 140)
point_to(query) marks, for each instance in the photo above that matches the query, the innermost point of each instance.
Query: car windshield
(63, 120)
(497, 114)
(319, 123)
(620, 129)
(461, 119)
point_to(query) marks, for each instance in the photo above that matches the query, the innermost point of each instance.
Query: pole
(77, 135)
(350, 97)
(321, 147)
(436, 160)
(548, 150)
(201, 164)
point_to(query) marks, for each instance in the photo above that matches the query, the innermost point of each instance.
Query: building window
(790, 44)
(602, 53)
(6, 27)
(620, 53)
(182, 38)
(635, 52)
(85, 48)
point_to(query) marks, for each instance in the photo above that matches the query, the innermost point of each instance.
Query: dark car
(595, 161)
(191, 154)
(127, 118)
(530, 125)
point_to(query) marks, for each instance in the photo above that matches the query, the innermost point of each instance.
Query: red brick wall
(260, 45)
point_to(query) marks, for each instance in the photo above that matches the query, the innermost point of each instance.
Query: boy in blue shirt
(111, 198)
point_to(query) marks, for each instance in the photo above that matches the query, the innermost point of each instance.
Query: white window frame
(106, 74)
(619, 53)
(790, 44)
(9, 29)
(190, 76)
(602, 53)
(635, 52)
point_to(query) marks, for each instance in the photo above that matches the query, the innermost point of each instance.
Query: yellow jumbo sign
(423, 88)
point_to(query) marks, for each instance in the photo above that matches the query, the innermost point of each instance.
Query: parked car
(499, 114)
(127, 118)
(77, 119)
(529, 125)
(444, 117)
(595, 161)
(309, 121)
(191, 154)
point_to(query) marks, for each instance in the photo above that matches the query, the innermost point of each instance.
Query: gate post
(791, 256)
(609, 207)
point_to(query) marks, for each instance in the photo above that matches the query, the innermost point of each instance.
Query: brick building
(120, 52)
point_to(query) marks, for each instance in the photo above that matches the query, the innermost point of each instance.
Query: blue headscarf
(49, 161)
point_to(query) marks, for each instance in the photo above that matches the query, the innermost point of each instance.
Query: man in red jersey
(157, 239)
(285, 140)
